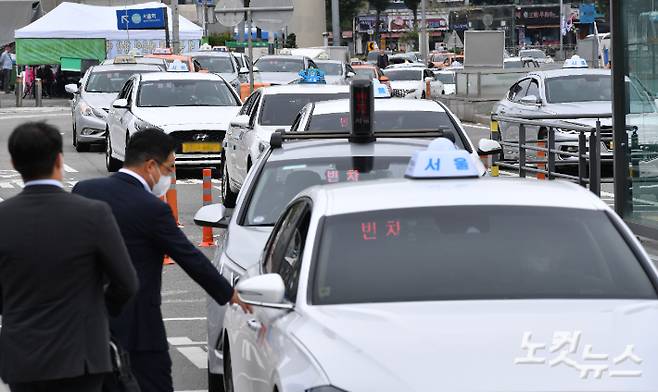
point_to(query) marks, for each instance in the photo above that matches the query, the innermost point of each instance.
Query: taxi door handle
(254, 324)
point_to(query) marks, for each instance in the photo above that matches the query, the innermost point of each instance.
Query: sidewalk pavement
(9, 101)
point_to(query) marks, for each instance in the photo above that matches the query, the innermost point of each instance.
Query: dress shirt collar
(45, 182)
(137, 176)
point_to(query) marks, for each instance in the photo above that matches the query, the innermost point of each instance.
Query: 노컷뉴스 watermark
(564, 350)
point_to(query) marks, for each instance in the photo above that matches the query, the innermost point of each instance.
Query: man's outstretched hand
(235, 299)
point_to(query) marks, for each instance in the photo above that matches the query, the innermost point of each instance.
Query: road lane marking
(31, 116)
(185, 319)
(196, 355)
(183, 341)
(69, 169)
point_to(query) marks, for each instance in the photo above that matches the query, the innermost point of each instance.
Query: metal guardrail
(543, 146)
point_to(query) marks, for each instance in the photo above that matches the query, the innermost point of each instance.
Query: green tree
(413, 6)
(379, 6)
(291, 41)
(219, 39)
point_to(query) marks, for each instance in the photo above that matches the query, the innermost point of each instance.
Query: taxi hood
(189, 117)
(99, 100)
(473, 345)
(246, 243)
(276, 78)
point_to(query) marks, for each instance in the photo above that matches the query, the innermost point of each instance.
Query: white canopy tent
(91, 32)
(72, 20)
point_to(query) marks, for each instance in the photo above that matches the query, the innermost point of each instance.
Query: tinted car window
(579, 88)
(393, 120)
(163, 93)
(109, 82)
(279, 182)
(512, 260)
(331, 68)
(369, 72)
(405, 74)
(281, 109)
(279, 65)
(216, 64)
(446, 78)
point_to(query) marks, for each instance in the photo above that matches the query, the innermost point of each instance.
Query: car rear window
(393, 120)
(280, 181)
(428, 254)
(281, 109)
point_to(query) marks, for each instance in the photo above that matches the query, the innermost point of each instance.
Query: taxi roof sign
(312, 76)
(575, 62)
(440, 160)
(381, 91)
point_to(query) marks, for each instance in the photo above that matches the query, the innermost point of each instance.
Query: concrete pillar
(308, 22)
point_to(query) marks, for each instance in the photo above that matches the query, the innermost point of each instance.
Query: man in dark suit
(58, 252)
(150, 231)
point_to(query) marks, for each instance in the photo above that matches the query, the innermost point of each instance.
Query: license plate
(202, 147)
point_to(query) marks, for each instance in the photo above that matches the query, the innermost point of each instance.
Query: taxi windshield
(508, 262)
(404, 74)
(579, 88)
(279, 182)
(366, 71)
(109, 82)
(216, 64)
(335, 69)
(388, 120)
(281, 109)
(163, 93)
(279, 65)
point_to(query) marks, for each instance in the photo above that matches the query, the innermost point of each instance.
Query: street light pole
(335, 22)
(423, 31)
(175, 39)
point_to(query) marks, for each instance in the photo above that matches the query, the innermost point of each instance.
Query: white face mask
(162, 186)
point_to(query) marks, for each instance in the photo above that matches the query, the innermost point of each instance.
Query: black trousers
(86, 383)
(6, 77)
(152, 369)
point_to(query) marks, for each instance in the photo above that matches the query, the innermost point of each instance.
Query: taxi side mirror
(213, 215)
(121, 103)
(71, 88)
(530, 100)
(489, 147)
(266, 291)
(243, 71)
(350, 74)
(240, 121)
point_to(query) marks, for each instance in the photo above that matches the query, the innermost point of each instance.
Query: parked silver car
(282, 69)
(569, 92)
(93, 98)
(221, 63)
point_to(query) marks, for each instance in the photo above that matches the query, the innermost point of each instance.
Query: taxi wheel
(112, 164)
(215, 382)
(228, 371)
(228, 197)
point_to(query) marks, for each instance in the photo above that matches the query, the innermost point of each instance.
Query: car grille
(196, 136)
(401, 93)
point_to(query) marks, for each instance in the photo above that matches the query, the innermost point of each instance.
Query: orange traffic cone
(207, 239)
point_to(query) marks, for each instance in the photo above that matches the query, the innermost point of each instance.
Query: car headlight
(141, 125)
(325, 388)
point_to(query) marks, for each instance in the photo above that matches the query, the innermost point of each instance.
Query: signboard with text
(141, 19)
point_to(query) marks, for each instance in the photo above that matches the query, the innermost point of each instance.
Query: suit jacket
(57, 252)
(150, 231)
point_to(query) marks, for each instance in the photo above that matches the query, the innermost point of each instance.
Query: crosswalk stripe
(69, 169)
(196, 355)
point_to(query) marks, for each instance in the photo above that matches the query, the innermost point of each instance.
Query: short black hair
(150, 143)
(34, 147)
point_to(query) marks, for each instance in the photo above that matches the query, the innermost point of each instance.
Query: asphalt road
(183, 301)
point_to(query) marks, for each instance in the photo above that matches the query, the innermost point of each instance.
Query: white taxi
(362, 287)
(194, 108)
(265, 111)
